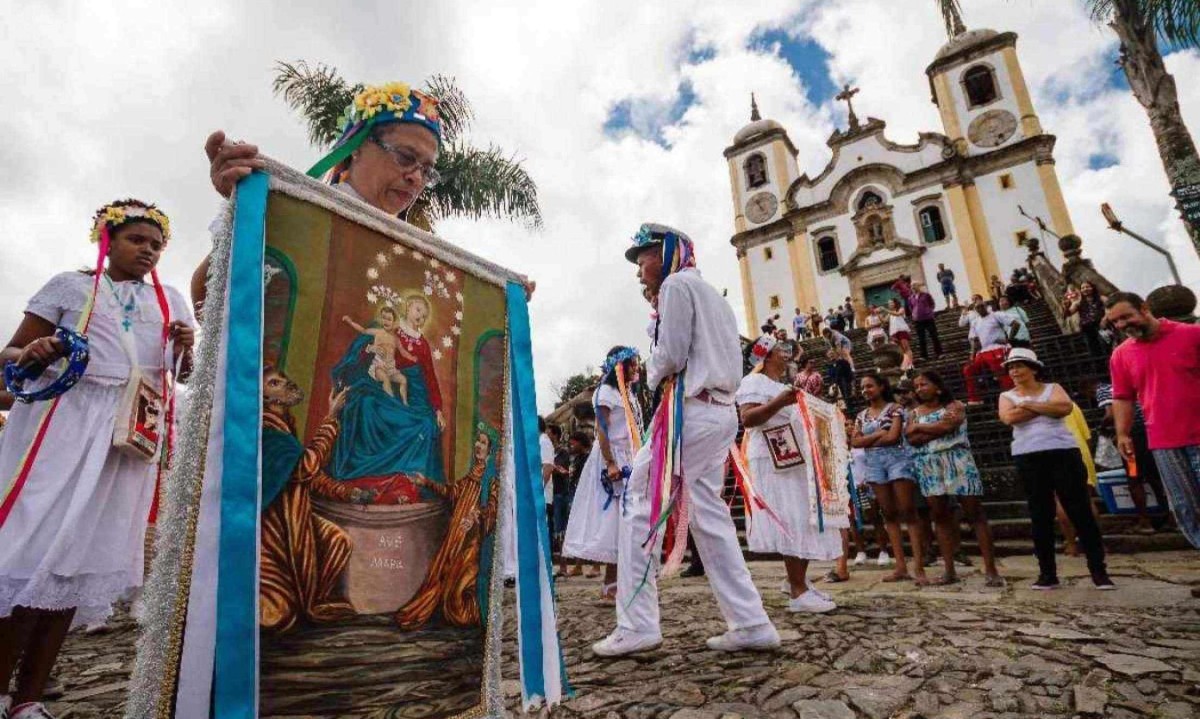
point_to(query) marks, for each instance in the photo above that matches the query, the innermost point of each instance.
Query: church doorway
(879, 295)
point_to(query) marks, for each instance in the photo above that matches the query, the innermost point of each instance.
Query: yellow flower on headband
(393, 97)
(113, 216)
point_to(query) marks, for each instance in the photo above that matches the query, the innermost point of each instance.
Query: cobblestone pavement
(888, 651)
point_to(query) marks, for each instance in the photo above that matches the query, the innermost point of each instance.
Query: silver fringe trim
(166, 589)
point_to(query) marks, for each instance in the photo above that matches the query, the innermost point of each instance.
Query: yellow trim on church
(804, 281)
(1060, 218)
(946, 106)
(983, 238)
(964, 229)
(748, 295)
(739, 220)
(1030, 124)
(781, 177)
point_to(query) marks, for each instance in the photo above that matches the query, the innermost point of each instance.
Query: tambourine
(76, 357)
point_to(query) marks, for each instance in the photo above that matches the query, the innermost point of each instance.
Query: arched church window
(827, 254)
(932, 227)
(980, 84)
(756, 170)
(869, 199)
(875, 230)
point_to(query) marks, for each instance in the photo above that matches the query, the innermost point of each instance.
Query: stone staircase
(1068, 363)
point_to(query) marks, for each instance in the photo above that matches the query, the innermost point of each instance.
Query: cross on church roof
(754, 116)
(848, 94)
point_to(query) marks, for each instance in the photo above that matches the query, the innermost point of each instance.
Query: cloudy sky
(620, 110)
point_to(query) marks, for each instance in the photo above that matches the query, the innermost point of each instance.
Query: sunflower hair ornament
(116, 214)
(372, 106)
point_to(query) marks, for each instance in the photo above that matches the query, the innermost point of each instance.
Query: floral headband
(622, 355)
(376, 105)
(678, 250)
(116, 214)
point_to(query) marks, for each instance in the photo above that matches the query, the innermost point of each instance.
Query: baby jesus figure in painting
(458, 577)
(383, 368)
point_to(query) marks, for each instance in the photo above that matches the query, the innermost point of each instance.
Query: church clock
(761, 207)
(992, 128)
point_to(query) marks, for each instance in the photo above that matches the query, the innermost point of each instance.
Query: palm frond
(952, 17)
(453, 107)
(1176, 22)
(318, 93)
(483, 183)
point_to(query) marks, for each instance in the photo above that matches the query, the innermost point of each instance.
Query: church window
(775, 302)
(869, 199)
(1006, 182)
(768, 254)
(980, 84)
(827, 254)
(932, 227)
(756, 170)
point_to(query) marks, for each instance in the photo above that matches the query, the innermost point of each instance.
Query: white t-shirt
(547, 450)
(992, 331)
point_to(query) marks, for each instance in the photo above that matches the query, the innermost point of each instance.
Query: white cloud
(102, 108)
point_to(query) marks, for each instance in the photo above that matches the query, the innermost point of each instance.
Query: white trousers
(708, 433)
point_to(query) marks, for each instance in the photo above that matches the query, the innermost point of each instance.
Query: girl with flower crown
(75, 502)
(596, 512)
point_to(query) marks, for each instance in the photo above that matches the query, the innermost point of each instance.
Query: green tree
(575, 384)
(476, 182)
(1140, 25)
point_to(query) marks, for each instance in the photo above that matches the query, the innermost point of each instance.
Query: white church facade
(880, 209)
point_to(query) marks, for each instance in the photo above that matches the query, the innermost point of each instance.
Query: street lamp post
(1116, 225)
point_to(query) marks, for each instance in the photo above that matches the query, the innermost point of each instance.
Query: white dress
(592, 526)
(897, 324)
(788, 492)
(875, 329)
(76, 533)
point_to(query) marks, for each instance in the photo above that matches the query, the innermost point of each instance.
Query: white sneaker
(884, 559)
(813, 590)
(860, 559)
(756, 639)
(626, 641)
(786, 587)
(32, 711)
(811, 603)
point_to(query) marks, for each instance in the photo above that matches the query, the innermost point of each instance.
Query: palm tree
(475, 182)
(1139, 25)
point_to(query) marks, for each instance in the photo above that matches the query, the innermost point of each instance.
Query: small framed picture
(784, 447)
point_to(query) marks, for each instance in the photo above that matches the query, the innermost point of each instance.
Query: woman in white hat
(1049, 463)
(779, 464)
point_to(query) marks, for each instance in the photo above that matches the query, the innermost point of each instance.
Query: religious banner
(361, 433)
(829, 449)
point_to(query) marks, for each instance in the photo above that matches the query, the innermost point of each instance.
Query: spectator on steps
(814, 321)
(1071, 310)
(925, 321)
(990, 332)
(1142, 469)
(860, 311)
(1049, 464)
(1091, 316)
(833, 320)
(847, 312)
(903, 289)
(876, 324)
(800, 325)
(996, 288)
(842, 362)
(945, 278)
(1158, 365)
(809, 377)
(899, 331)
(1021, 337)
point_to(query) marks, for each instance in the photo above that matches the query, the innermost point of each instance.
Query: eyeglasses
(407, 161)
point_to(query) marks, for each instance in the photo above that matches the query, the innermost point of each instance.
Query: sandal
(995, 581)
(608, 593)
(833, 577)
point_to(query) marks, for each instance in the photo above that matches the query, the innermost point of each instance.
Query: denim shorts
(887, 464)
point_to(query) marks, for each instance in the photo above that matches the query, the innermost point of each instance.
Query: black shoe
(692, 571)
(1045, 583)
(1102, 581)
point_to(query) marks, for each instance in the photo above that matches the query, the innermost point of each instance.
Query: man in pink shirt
(1159, 366)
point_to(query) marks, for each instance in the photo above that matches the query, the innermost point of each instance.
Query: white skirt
(76, 533)
(591, 528)
(786, 493)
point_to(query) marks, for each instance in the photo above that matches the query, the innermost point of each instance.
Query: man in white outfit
(697, 332)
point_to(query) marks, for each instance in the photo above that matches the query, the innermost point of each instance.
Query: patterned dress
(945, 466)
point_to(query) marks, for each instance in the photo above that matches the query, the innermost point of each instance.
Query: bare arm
(199, 287)
(1011, 413)
(919, 434)
(754, 415)
(33, 342)
(862, 441)
(1058, 406)
(356, 326)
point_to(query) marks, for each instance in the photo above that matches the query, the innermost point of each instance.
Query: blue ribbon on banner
(235, 683)
(532, 535)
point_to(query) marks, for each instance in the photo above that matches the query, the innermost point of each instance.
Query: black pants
(1096, 346)
(843, 375)
(928, 327)
(1059, 472)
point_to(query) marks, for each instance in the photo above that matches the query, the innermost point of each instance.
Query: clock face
(992, 129)
(761, 207)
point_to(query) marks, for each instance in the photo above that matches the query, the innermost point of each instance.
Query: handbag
(783, 446)
(137, 431)
(1107, 454)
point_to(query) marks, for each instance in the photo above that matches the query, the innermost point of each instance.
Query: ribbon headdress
(376, 105)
